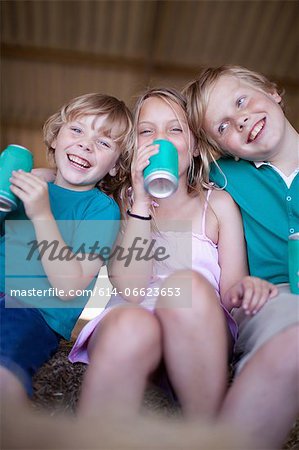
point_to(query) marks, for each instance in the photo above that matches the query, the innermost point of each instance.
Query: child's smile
(78, 162)
(256, 130)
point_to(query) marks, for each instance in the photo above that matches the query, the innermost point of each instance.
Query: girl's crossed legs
(129, 342)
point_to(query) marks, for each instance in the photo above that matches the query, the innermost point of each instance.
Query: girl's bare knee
(197, 296)
(127, 332)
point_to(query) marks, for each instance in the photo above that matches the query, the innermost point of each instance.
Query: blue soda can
(14, 157)
(161, 176)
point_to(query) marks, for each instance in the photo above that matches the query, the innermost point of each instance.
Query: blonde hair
(197, 94)
(118, 115)
(198, 171)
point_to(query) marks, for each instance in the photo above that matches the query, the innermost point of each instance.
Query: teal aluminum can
(14, 157)
(161, 176)
(293, 251)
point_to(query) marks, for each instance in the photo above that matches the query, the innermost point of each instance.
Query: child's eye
(176, 129)
(103, 143)
(240, 101)
(222, 127)
(76, 130)
(145, 132)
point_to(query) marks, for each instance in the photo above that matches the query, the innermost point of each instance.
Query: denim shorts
(26, 340)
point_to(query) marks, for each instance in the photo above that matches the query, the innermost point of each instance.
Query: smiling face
(84, 153)
(164, 119)
(244, 120)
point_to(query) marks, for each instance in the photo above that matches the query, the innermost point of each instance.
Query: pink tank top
(188, 250)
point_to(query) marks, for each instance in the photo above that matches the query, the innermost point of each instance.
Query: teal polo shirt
(83, 218)
(270, 213)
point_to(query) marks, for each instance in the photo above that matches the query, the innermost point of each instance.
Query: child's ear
(276, 96)
(196, 152)
(113, 171)
(53, 144)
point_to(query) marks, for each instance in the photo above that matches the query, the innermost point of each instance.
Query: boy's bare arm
(65, 274)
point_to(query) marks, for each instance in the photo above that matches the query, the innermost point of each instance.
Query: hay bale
(57, 388)
(56, 385)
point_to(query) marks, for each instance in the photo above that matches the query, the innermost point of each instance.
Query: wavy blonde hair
(118, 116)
(197, 95)
(198, 171)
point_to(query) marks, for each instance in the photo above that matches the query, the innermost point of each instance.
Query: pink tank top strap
(203, 223)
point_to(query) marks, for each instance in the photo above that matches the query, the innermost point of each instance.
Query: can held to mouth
(293, 250)
(161, 176)
(14, 157)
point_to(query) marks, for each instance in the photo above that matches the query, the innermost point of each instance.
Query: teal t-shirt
(88, 222)
(270, 213)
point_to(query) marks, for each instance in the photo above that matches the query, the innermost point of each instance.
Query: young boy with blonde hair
(62, 226)
(239, 115)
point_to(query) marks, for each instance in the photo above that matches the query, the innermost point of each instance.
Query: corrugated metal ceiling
(191, 34)
(55, 50)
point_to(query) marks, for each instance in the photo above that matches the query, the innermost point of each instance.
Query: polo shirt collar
(261, 163)
(287, 179)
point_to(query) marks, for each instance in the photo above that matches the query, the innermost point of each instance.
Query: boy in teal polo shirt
(239, 113)
(42, 295)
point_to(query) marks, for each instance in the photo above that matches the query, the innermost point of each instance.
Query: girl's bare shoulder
(221, 202)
